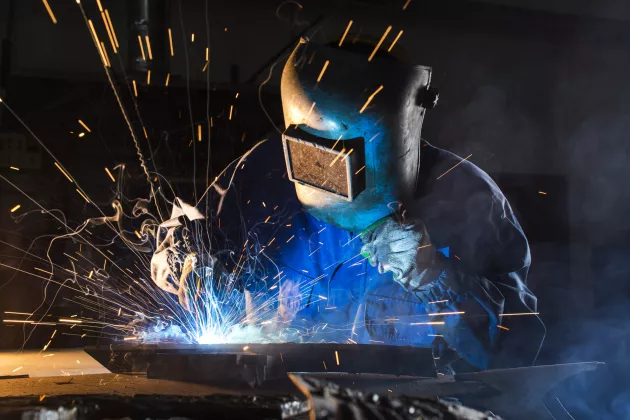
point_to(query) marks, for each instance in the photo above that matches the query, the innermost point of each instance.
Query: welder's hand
(404, 248)
(289, 299)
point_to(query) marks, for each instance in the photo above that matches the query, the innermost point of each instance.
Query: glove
(402, 248)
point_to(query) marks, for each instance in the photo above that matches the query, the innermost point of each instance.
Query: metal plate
(273, 358)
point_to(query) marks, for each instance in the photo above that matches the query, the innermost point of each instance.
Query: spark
(345, 33)
(370, 99)
(309, 114)
(137, 234)
(135, 88)
(85, 126)
(109, 31)
(168, 77)
(267, 219)
(542, 193)
(336, 158)
(199, 132)
(456, 165)
(83, 195)
(445, 313)
(78, 360)
(63, 172)
(17, 313)
(427, 323)
(325, 368)
(49, 355)
(98, 43)
(149, 77)
(236, 96)
(406, 4)
(333, 147)
(321, 74)
(389, 28)
(43, 271)
(107, 62)
(208, 59)
(16, 208)
(424, 246)
(141, 48)
(270, 242)
(100, 7)
(50, 12)
(81, 134)
(17, 321)
(148, 41)
(110, 175)
(111, 27)
(119, 311)
(389, 390)
(377, 341)
(352, 341)
(374, 136)
(129, 338)
(205, 66)
(314, 251)
(71, 321)
(520, 313)
(435, 335)
(395, 40)
(289, 240)
(245, 348)
(192, 37)
(170, 41)
(322, 297)
(14, 168)
(17, 368)
(503, 328)
(438, 301)
(337, 357)
(231, 108)
(41, 397)
(360, 169)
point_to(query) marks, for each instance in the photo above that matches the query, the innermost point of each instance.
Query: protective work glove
(402, 247)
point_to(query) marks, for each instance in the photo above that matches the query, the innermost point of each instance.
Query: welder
(381, 237)
(440, 232)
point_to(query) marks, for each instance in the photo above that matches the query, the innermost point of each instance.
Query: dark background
(537, 91)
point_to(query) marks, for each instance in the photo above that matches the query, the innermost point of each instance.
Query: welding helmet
(352, 138)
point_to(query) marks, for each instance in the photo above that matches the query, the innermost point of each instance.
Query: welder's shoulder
(466, 208)
(459, 178)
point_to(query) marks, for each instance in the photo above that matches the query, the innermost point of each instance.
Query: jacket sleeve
(475, 325)
(487, 282)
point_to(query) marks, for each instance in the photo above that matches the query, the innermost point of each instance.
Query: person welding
(382, 237)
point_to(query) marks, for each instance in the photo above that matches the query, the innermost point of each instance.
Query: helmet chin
(353, 216)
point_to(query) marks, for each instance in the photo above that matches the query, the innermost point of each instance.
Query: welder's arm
(475, 303)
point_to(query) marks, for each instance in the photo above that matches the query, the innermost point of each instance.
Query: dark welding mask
(352, 138)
